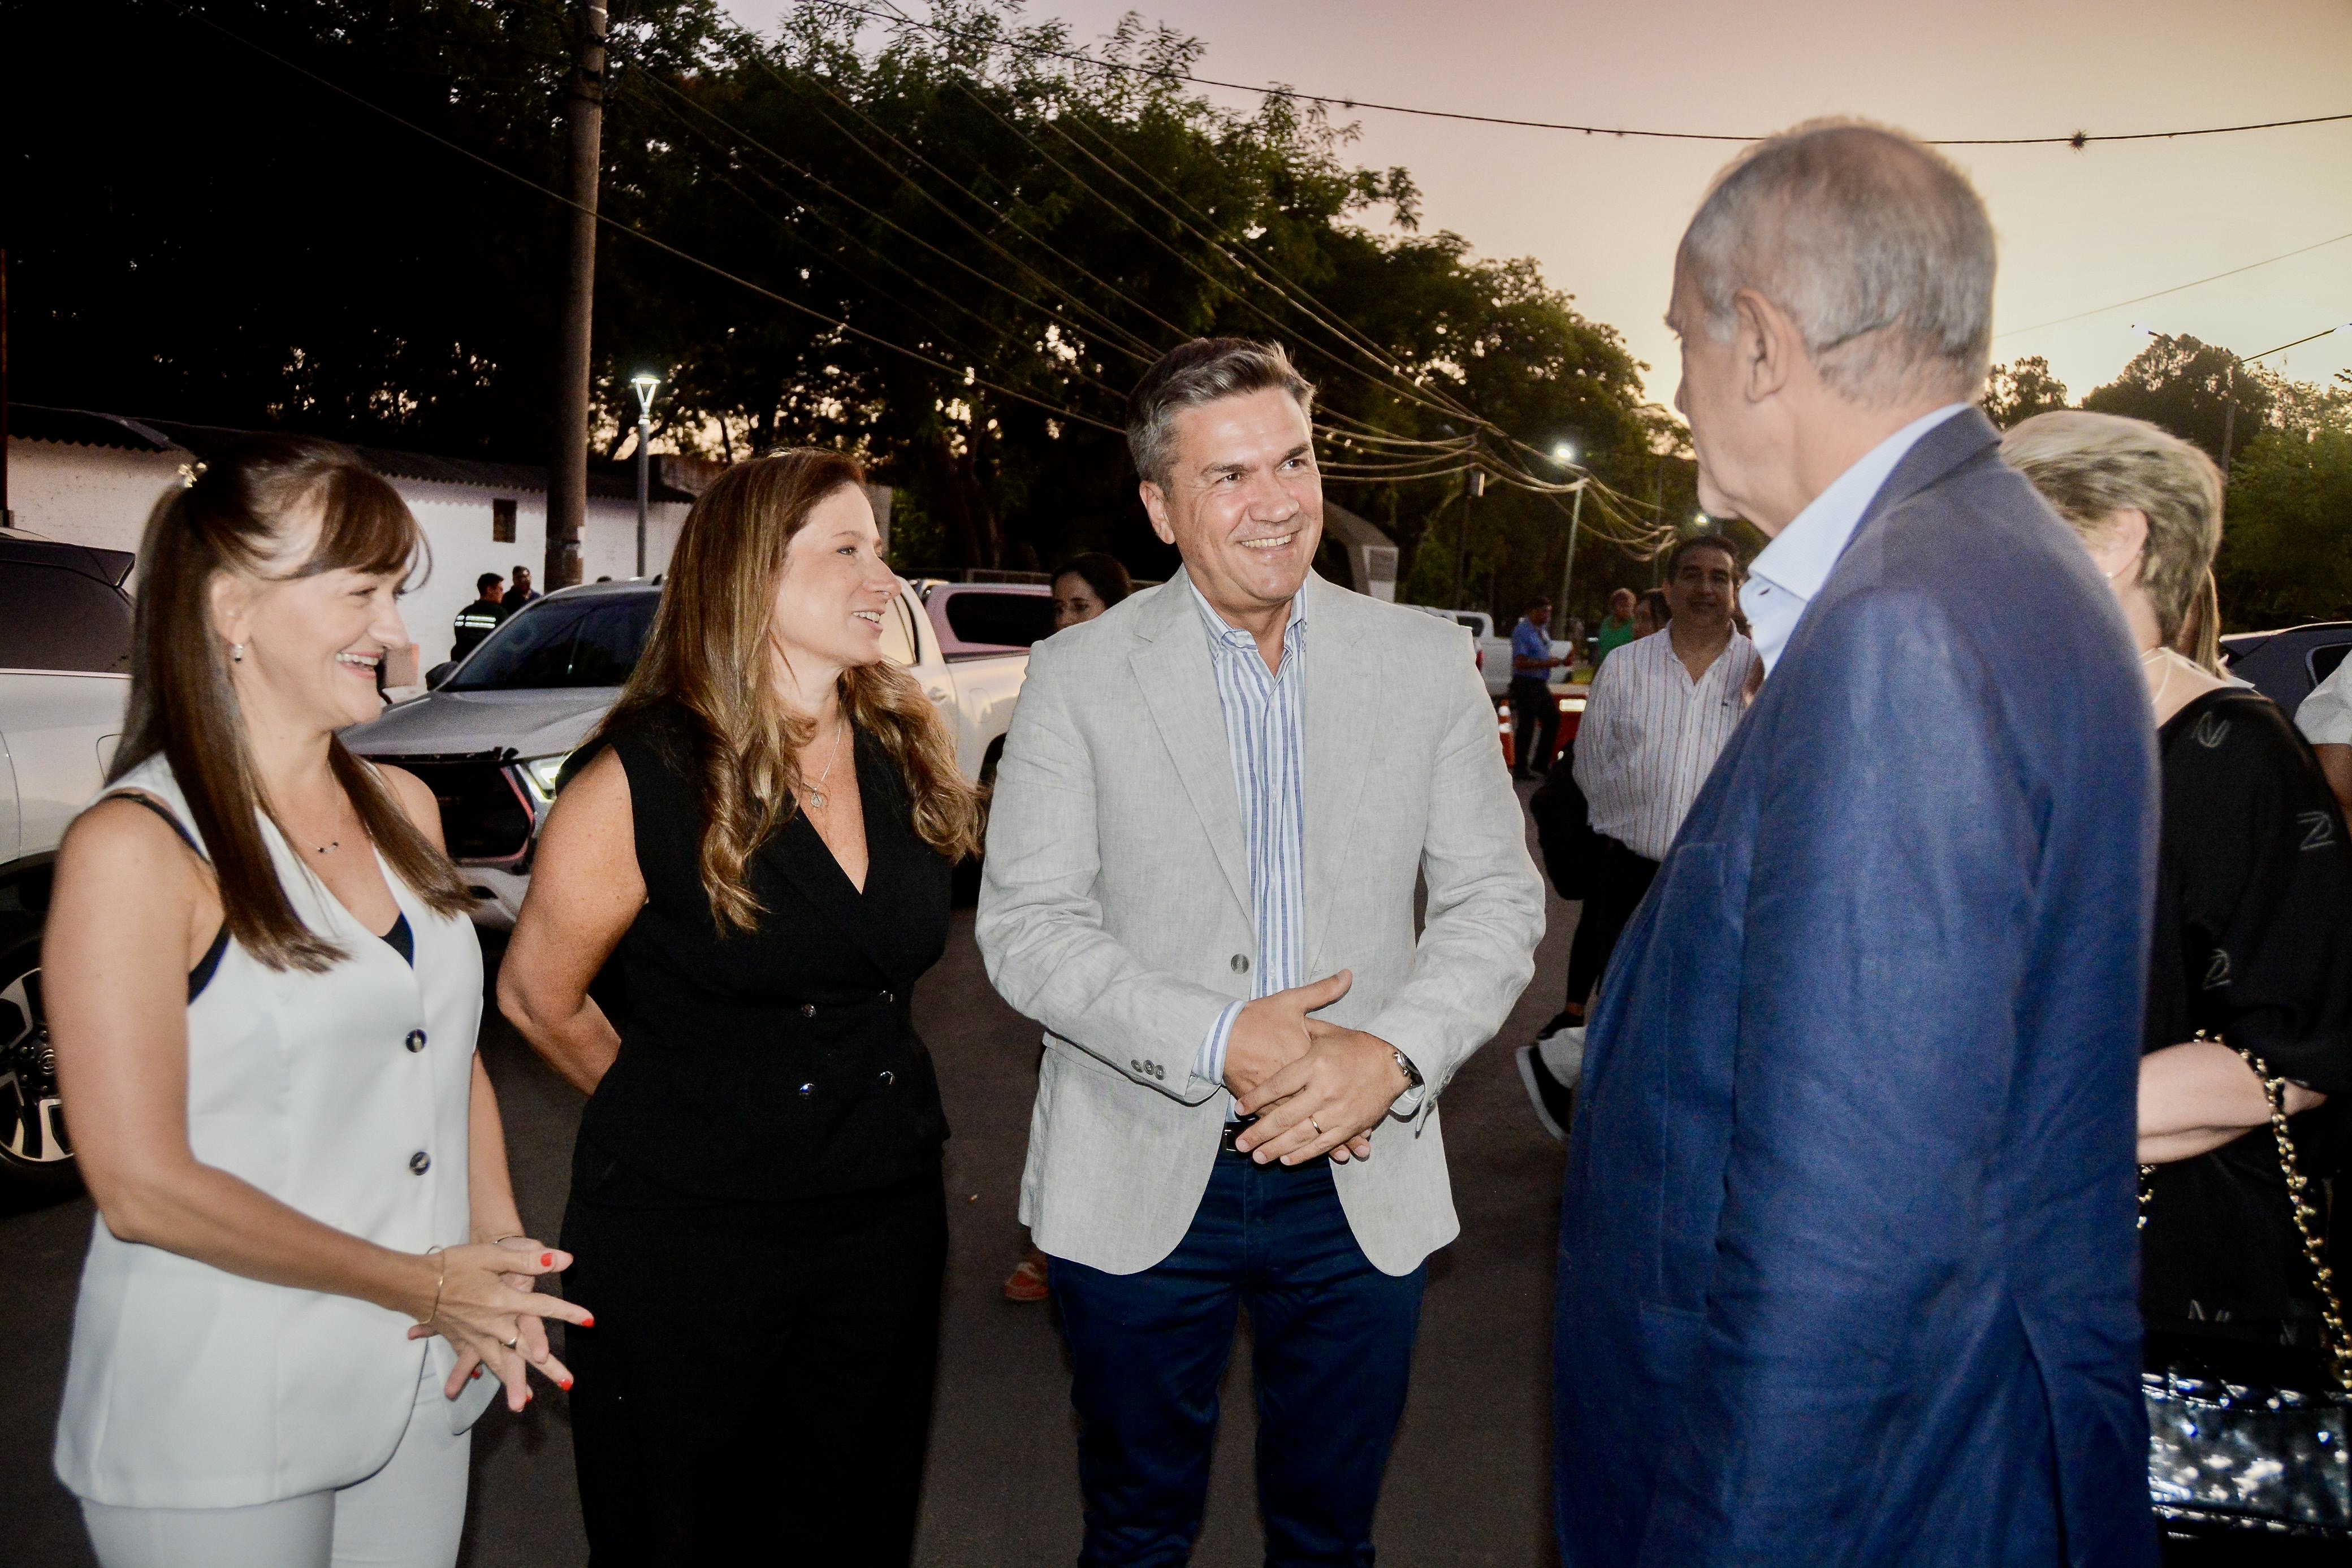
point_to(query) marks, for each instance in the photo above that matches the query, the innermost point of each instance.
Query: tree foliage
(2286, 552)
(950, 255)
(2018, 391)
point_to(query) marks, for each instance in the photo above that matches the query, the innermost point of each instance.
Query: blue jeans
(1333, 1340)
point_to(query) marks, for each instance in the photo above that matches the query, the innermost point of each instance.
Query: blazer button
(807, 1090)
(886, 1078)
(808, 1010)
(1241, 963)
(1133, 1065)
(415, 1040)
(888, 998)
(420, 1162)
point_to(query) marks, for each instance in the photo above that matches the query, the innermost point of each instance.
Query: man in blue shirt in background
(1532, 706)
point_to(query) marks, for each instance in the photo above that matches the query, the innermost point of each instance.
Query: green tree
(2286, 550)
(2198, 392)
(2018, 391)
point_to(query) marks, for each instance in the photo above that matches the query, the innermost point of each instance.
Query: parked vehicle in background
(1494, 650)
(2284, 666)
(65, 674)
(493, 735)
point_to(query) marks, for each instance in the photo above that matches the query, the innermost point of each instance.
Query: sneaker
(1554, 1102)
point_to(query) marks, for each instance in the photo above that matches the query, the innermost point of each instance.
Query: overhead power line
(971, 379)
(2142, 298)
(2076, 140)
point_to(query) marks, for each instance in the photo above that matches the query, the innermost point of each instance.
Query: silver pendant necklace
(816, 793)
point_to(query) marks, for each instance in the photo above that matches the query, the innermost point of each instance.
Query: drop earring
(237, 652)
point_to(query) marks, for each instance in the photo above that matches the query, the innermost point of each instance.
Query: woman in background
(2252, 934)
(764, 828)
(1087, 585)
(263, 987)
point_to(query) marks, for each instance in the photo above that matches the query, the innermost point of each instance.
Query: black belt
(1233, 1129)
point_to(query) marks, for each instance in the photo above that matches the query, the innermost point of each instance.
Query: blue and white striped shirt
(1265, 736)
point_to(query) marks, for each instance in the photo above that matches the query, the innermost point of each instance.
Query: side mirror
(438, 673)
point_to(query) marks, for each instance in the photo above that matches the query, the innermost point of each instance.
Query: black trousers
(1619, 881)
(758, 1385)
(1533, 707)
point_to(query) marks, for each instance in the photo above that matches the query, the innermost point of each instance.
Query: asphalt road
(1466, 1485)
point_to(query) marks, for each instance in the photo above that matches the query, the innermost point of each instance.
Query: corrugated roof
(82, 427)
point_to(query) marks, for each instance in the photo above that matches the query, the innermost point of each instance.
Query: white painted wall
(101, 496)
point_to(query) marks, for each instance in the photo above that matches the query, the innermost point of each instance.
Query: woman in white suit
(263, 991)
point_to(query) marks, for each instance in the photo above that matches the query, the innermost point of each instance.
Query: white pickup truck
(1494, 651)
(491, 739)
(65, 674)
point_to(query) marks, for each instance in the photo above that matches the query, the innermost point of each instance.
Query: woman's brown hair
(183, 706)
(710, 660)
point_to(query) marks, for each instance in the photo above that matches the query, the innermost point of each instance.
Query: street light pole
(646, 385)
(1475, 485)
(1568, 566)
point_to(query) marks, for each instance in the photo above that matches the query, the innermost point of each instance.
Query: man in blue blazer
(1848, 1260)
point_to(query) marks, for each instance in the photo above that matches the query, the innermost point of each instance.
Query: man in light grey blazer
(1212, 809)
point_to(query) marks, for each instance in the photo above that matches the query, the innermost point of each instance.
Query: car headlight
(540, 772)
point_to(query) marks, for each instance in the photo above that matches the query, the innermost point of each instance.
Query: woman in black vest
(764, 828)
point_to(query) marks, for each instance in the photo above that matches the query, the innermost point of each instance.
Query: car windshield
(561, 642)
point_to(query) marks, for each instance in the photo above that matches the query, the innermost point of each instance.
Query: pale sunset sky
(2079, 230)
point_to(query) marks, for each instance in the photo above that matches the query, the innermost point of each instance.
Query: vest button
(420, 1162)
(808, 1010)
(1241, 963)
(415, 1040)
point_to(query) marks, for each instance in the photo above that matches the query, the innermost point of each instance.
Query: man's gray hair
(1198, 372)
(1878, 247)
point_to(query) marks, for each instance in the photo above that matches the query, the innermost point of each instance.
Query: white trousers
(409, 1514)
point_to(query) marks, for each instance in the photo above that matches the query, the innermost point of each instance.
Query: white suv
(65, 674)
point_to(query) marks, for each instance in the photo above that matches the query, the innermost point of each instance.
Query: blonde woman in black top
(2253, 921)
(764, 832)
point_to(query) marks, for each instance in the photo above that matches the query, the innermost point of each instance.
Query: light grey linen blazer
(1115, 906)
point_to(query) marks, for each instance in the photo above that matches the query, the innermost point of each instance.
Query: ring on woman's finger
(510, 1343)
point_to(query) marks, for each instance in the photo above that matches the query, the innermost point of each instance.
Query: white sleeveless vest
(341, 1094)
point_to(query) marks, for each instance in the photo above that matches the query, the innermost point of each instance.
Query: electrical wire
(2077, 140)
(970, 378)
(2142, 299)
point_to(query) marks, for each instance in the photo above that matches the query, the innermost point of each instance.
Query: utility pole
(1474, 487)
(8, 517)
(567, 469)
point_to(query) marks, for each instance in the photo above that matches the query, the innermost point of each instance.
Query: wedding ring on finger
(1316, 1124)
(510, 1343)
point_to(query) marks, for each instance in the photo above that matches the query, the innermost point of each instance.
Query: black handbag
(2234, 1453)
(1564, 828)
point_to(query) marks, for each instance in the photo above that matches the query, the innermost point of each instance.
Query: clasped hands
(1316, 1088)
(487, 1307)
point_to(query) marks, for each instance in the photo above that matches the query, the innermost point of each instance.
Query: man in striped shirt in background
(1660, 711)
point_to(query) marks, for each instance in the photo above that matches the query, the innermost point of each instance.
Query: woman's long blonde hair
(710, 657)
(183, 706)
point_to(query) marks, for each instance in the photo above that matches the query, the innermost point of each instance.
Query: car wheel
(36, 1154)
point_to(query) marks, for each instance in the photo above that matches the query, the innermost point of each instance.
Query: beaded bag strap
(2336, 1346)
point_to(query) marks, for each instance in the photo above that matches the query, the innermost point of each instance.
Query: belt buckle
(1233, 1130)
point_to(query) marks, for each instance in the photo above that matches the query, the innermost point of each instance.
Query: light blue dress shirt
(1266, 738)
(1787, 573)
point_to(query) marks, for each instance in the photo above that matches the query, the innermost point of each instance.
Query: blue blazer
(1848, 1256)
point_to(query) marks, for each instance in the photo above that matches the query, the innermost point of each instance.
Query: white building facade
(93, 479)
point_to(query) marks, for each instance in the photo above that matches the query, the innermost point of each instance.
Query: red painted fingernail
(477, 1372)
(589, 1322)
(547, 1260)
(565, 1386)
